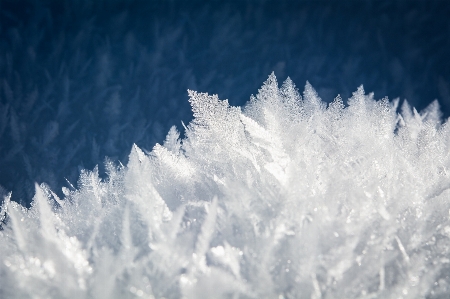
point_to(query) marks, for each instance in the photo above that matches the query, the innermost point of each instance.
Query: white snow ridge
(285, 198)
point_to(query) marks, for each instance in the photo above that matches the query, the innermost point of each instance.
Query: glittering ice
(285, 198)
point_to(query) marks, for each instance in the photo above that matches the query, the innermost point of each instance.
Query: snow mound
(285, 198)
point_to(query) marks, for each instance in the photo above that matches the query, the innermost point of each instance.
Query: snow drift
(285, 198)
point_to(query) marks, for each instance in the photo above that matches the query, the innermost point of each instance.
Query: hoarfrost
(286, 198)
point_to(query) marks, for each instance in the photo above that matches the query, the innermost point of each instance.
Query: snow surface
(287, 197)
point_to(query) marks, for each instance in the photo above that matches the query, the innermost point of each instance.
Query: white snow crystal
(286, 198)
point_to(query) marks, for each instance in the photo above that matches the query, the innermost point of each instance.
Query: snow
(286, 197)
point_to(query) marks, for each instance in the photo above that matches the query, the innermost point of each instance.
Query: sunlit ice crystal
(287, 197)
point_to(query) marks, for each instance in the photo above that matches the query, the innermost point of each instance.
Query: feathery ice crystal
(285, 198)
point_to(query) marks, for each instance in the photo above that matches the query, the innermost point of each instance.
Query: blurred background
(81, 80)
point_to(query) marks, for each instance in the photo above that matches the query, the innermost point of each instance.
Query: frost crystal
(286, 198)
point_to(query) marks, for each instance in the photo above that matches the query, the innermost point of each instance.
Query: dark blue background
(81, 80)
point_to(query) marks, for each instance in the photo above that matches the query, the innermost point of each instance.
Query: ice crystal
(286, 198)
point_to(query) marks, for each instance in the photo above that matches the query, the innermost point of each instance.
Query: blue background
(81, 80)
